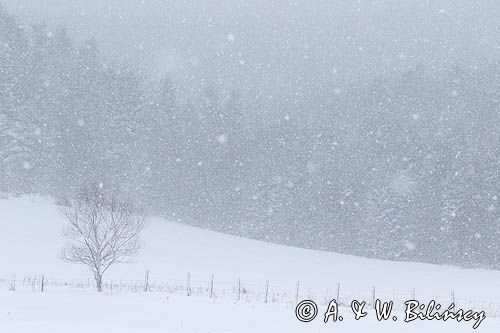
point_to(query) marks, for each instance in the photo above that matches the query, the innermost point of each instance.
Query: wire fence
(246, 291)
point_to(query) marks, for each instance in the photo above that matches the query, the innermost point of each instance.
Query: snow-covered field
(30, 240)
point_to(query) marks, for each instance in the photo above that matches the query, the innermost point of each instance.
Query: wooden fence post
(188, 284)
(267, 291)
(297, 293)
(146, 281)
(239, 289)
(373, 296)
(42, 283)
(212, 286)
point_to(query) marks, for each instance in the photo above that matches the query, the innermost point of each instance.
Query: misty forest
(306, 134)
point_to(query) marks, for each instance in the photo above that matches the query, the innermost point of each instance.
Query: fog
(291, 52)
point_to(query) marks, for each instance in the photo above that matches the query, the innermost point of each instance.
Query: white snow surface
(31, 239)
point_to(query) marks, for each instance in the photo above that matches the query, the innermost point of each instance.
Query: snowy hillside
(31, 239)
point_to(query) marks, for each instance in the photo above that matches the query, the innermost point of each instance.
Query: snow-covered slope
(30, 240)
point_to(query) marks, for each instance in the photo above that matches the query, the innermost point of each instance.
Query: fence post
(42, 283)
(239, 289)
(188, 284)
(267, 291)
(338, 293)
(212, 286)
(146, 280)
(373, 295)
(453, 297)
(297, 293)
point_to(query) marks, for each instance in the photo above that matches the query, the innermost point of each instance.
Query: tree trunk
(98, 282)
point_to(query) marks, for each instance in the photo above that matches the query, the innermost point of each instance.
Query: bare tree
(102, 230)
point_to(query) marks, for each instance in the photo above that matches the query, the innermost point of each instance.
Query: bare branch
(102, 230)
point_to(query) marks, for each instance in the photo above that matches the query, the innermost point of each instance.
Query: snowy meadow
(198, 282)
